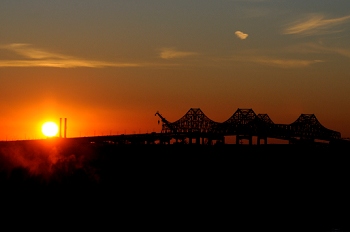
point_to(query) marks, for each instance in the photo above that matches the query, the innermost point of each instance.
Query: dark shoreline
(291, 185)
(100, 163)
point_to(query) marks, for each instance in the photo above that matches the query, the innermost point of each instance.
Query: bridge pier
(240, 137)
(261, 138)
(210, 141)
(301, 140)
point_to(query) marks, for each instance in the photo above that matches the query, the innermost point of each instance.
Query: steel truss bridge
(244, 124)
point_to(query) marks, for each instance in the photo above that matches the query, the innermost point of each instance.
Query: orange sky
(109, 66)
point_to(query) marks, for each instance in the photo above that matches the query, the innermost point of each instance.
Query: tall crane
(165, 122)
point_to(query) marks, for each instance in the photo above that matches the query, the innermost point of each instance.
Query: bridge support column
(237, 139)
(250, 138)
(210, 142)
(259, 138)
(223, 140)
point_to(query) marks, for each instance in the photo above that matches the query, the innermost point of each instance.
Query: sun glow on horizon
(49, 129)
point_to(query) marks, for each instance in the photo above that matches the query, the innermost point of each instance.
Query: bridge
(244, 124)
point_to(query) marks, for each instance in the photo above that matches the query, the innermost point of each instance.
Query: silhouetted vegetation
(291, 184)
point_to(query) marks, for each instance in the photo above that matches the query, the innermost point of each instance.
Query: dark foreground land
(266, 187)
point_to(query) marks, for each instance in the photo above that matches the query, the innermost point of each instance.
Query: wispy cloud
(241, 35)
(250, 0)
(171, 53)
(320, 48)
(30, 56)
(315, 24)
(339, 51)
(277, 62)
(285, 63)
(27, 51)
(63, 63)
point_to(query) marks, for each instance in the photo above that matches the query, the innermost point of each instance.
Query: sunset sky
(108, 66)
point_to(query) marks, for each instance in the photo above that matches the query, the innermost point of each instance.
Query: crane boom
(165, 122)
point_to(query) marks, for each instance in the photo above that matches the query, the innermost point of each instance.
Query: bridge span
(245, 124)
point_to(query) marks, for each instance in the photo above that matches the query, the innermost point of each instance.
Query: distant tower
(65, 127)
(60, 128)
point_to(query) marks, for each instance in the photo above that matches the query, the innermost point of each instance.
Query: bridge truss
(244, 124)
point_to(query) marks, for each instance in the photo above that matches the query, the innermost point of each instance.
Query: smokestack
(65, 127)
(60, 128)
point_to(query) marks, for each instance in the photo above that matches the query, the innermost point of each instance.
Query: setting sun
(49, 129)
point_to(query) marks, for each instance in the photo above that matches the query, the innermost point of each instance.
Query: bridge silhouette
(244, 124)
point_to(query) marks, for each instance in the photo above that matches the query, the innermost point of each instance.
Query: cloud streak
(285, 63)
(34, 57)
(278, 62)
(315, 24)
(171, 53)
(320, 48)
(63, 64)
(25, 50)
(241, 35)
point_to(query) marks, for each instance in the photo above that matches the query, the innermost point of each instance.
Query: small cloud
(170, 53)
(315, 24)
(241, 35)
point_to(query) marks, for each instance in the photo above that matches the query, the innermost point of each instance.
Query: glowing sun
(49, 129)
